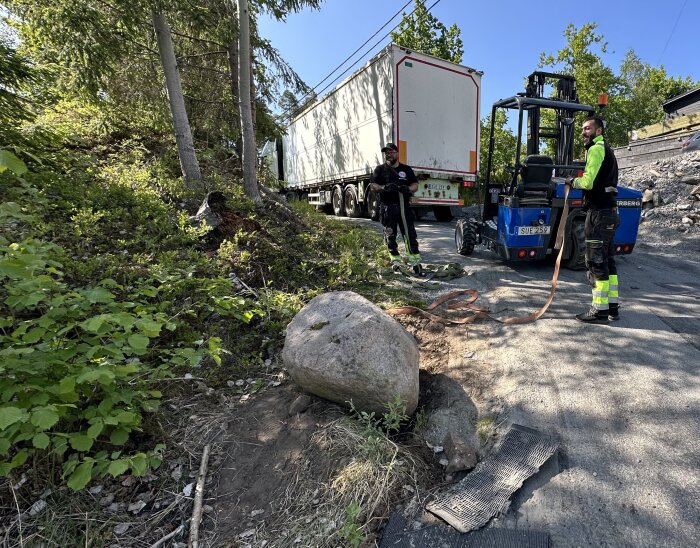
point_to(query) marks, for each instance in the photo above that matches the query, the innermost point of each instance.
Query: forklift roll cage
(566, 105)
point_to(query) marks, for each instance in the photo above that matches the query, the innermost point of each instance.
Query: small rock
(177, 473)
(188, 376)
(136, 507)
(435, 327)
(438, 449)
(691, 179)
(469, 355)
(247, 533)
(207, 509)
(595, 474)
(299, 405)
(129, 481)
(187, 490)
(687, 221)
(107, 499)
(461, 454)
(121, 528)
(230, 384)
(685, 207)
(96, 490)
(114, 507)
(444, 462)
(256, 513)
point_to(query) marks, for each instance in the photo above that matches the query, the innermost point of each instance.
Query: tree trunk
(250, 184)
(236, 122)
(181, 124)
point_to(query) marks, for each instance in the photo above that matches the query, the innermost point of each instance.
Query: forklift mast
(563, 131)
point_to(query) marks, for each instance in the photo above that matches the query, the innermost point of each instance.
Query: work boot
(593, 316)
(396, 263)
(614, 312)
(418, 269)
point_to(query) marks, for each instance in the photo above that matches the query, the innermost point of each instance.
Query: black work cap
(390, 146)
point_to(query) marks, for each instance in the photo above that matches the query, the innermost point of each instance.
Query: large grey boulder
(342, 347)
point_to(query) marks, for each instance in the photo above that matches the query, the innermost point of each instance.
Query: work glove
(391, 187)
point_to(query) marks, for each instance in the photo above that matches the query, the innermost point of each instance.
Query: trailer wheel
(465, 238)
(443, 214)
(337, 201)
(577, 259)
(291, 196)
(373, 205)
(352, 205)
(418, 213)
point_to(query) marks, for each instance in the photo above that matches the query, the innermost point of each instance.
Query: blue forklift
(520, 216)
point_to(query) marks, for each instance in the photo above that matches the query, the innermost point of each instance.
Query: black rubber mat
(397, 534)
(485, 492)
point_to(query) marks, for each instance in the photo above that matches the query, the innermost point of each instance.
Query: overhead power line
(285, 114)
(673, 30)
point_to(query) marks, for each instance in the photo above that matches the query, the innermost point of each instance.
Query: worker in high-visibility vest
(599, 185)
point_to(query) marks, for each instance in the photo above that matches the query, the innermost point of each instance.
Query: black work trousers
(600, 248)
(391, 217)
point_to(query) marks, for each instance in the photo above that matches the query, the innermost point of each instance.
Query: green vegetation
(636, 93)
(107, 290)
(422, 31)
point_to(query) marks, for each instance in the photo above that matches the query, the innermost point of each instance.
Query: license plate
(529, 230)
(436, 186)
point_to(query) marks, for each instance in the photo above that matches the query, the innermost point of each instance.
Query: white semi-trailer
(428, 106)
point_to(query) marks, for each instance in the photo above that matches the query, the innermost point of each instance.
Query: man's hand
(390, 187)
(403, 189)
(569, 181)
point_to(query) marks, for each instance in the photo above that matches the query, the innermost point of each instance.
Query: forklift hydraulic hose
(472, 294)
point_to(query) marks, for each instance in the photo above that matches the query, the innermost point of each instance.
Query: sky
(502, 38)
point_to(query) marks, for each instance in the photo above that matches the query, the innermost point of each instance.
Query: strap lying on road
(473, 293)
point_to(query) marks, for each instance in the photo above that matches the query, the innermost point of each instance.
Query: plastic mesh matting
(482, 494)
(397, 535)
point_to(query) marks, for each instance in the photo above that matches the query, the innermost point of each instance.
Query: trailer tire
(418, 213)
(443, 214)
(337, 201)
(465, 238)
(577, 259)
(373, 205)
(352, 204)
(291, 196)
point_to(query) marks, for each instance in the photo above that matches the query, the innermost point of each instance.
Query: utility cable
(673, 30)
(285, 114)
(363, 45)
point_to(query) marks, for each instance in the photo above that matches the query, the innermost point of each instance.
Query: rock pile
(675, 224)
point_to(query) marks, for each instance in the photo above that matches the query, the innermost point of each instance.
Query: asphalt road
(623, 399)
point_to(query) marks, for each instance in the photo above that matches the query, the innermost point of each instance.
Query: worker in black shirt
(395, 183)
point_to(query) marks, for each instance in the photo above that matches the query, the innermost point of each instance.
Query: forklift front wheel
(465, 238)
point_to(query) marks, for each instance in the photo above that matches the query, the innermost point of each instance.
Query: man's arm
(373, 184)
(596, 155)
(412, 181)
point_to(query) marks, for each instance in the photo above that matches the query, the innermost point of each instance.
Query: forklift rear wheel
(577, 259)
(465, 238)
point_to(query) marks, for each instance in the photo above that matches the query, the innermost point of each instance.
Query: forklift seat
(537, 173)
(536, 185)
